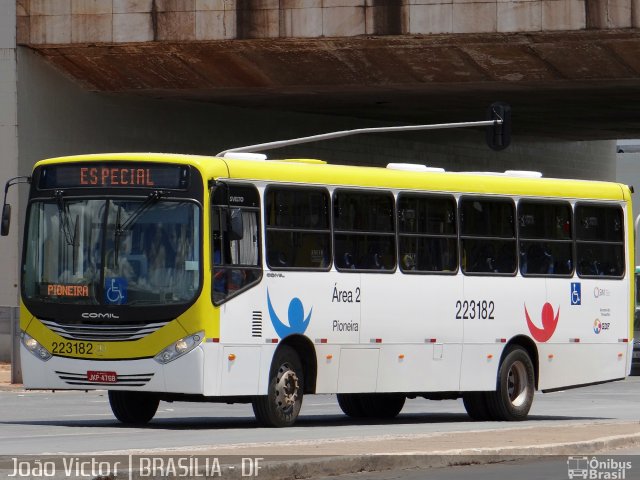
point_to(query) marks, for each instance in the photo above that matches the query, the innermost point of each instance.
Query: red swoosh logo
(549, 323)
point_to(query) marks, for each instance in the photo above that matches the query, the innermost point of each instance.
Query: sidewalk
(306, 459)
(5, 377)
(515, 439)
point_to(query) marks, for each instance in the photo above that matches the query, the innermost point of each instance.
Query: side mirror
(235, 225)
(499, 136)
(6, 219)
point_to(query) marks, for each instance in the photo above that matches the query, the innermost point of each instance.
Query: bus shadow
(303, 422)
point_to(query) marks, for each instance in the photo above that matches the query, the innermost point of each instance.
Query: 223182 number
(71, 348)
(470, 310)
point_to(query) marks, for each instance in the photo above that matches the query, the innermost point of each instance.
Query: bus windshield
(112, 252)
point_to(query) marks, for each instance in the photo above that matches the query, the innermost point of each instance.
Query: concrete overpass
(571, 68)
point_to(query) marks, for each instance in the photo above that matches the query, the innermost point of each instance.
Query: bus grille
(138, 380)
(103, 332)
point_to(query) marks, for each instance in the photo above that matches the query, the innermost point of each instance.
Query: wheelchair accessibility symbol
(115, 292)
(575, 293)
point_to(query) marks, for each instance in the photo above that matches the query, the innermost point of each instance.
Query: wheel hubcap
(517, 384)
(286, 388)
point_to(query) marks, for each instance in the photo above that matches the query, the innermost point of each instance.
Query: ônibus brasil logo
(297, 322)
(549, 323)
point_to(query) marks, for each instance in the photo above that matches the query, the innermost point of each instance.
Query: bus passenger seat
(348, 261)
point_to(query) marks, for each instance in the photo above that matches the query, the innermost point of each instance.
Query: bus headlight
(34, 347)
(179, 348)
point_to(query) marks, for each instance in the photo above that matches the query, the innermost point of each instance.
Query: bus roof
(311, 171)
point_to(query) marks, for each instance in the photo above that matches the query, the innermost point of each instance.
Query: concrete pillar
(605, 14)
(635, 13)
(9, 143)
(8, 169)
(627, 170)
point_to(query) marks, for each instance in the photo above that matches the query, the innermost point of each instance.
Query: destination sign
(115, 176)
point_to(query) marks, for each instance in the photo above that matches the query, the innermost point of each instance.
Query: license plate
(102, 377)
(636, 354)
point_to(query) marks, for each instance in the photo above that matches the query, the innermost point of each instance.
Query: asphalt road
(79, 422)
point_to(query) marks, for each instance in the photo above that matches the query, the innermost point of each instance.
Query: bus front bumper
(182, 375)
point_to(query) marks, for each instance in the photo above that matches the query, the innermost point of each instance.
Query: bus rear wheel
(382, 405)
(512, 399)
(134, 408)
(281, 406)
(475, 403)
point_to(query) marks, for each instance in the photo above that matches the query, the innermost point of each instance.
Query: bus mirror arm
(6, 208)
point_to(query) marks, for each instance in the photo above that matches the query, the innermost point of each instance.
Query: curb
(307, 467)
(341, 465)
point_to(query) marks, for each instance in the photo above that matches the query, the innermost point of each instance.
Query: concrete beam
(572, 85)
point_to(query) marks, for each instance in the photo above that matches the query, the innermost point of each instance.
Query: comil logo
(597, 468)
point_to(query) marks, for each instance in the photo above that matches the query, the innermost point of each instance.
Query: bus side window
(545, 233)
(298, 228)
(599, 240)
(364, 230)
(427, 233)
(236, 262)
(487, 236)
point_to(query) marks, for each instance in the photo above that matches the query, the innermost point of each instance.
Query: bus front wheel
(281, 406)
(134, 408)
(350, 405)
(512, 399)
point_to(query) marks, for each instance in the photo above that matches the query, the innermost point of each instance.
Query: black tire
(371, 405)
(475, 403)
(382, 405)
(281, 406)
(350, 404)
(514, 388)
(133, 408)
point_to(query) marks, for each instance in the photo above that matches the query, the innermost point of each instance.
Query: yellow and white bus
(164, 277)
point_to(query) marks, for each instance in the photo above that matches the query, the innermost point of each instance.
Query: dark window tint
(487, 218)
(599, 223)
(364, 236)
(488, 236)
(363, 212)
(545, 232)
(599, 240)
(298, 228)
(546, 220)
(427, 233)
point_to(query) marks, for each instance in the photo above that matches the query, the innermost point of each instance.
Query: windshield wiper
(63, 211)
(151, 199)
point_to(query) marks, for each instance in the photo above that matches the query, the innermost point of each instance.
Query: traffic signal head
(498, 135)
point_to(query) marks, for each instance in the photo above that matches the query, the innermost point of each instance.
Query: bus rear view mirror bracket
(6, 208)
